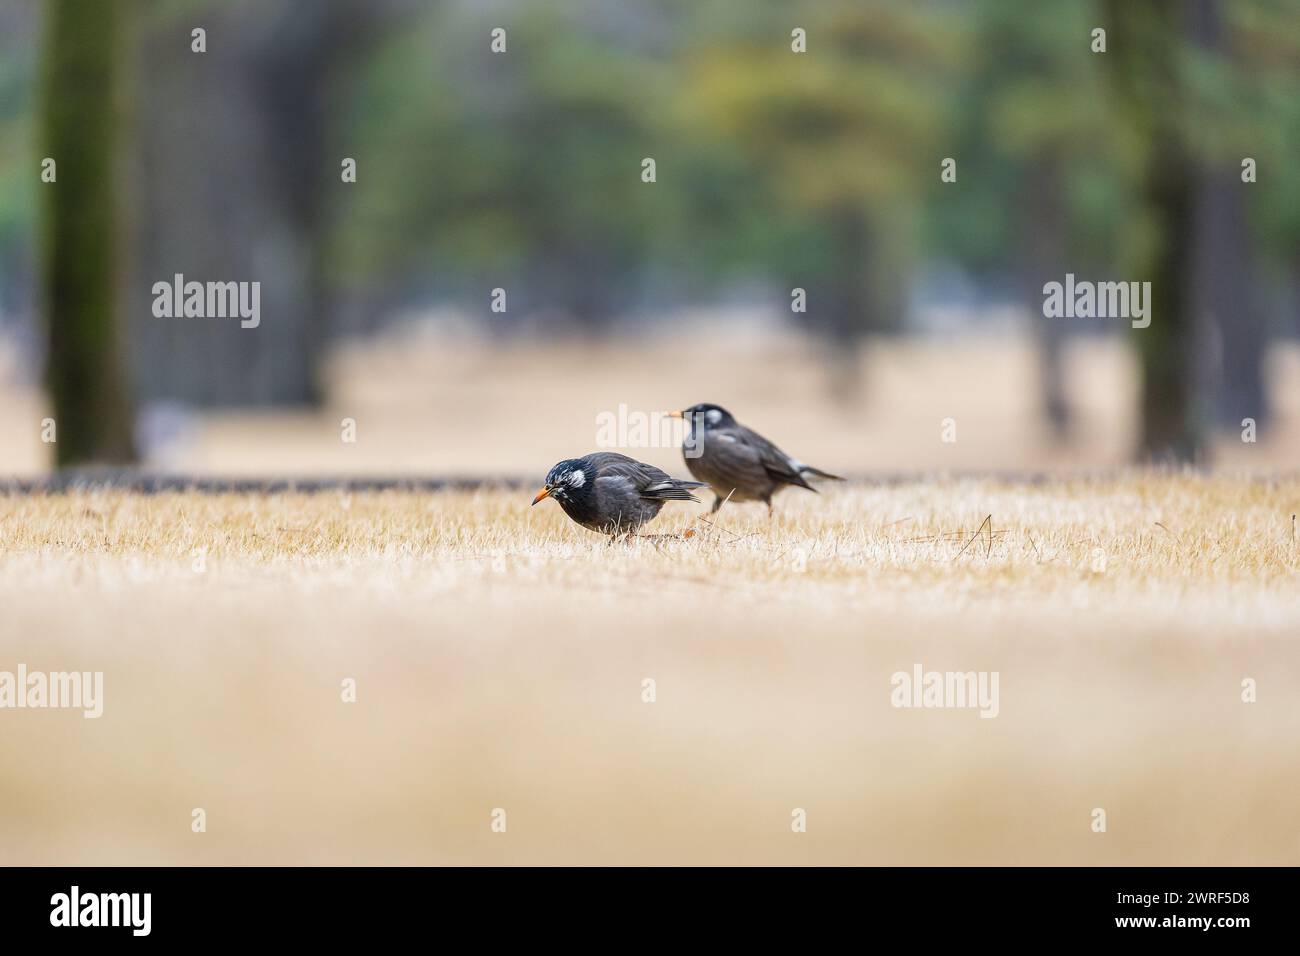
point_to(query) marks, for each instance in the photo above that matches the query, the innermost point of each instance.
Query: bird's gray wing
(728, 462)
(647, 480)
(776, 463)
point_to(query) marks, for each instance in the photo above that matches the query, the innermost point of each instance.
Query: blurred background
(522, 171)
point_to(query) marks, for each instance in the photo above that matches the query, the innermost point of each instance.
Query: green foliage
(476, 166)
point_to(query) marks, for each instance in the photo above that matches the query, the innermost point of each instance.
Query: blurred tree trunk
(294, 65)
(1231, 320)
(850, 311)
(80, 118)
(1044, 232)
(238, 170)
(1145, 40)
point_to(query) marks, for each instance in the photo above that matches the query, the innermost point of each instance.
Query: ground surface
(428, 403)
(500, 654)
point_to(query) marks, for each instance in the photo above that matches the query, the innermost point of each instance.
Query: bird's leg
(717, 503)
(769, 510)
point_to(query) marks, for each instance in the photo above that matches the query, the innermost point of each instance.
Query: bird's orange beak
(544, 493)
(675, 414)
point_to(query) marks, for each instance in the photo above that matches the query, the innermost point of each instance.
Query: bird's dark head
(706, 415)
(569, 479)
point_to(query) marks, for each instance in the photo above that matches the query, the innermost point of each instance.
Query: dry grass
(499, 652)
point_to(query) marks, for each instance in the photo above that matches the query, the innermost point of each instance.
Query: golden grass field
(499, 653)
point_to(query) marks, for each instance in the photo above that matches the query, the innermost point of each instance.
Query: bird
(612, 493)
(737, 462)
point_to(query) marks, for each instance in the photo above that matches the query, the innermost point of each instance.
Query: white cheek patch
(577, 479)
(713, 416)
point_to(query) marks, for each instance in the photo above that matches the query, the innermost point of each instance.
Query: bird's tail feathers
(807, 470)
(675, 494)
(677, 490)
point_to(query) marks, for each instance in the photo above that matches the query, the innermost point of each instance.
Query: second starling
(737, 462)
